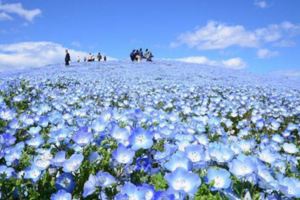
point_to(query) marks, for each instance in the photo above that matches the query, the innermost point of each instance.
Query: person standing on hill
(99, 57)
(67, 58)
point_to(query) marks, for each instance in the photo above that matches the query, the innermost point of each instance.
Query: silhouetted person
(132, 55)
(67, 58)
(104, 58)
(148, 55)
(99, 57)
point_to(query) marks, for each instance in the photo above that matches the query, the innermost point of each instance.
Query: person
(78, 59)
(91, 58)
(148, 55)
(104, 58)
(132, 55)
(141, 54)
(99, 57)
(67, 58)
(137, 56)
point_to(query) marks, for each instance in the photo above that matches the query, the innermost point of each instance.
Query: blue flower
(141, 139)
(290, 148)
(73, 163)
(61, 195)
(82, 137)
(132, 191)
(123, 155)
(104, 179)
(35, 141)
(220, 152)
(290, 187)
(219, 177)
(59, 159)
(242, 166)
(32, 173)
(178, 160)
(65, 181)
(8, 171)
(94, 157)
(120, 134)
(195, 153)
(184, 181)
(90, 186)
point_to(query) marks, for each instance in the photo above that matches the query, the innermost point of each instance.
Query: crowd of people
(138, 55)
(89, 58)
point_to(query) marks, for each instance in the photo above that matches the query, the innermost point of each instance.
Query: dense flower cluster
(145, 131)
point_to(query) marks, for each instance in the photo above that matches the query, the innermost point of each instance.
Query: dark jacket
(67, 58)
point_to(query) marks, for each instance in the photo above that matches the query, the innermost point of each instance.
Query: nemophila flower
(268, 156)
(141, 139)
(7, 114)
(195, 153)
(104, 179)
(14, 124)
(35, 141)
(61, 195)
(220, 152)
(7, 139)
(65, 181)
(32, 173)
(73, 163)
(202, 139)
(290, 187)
(120, 134)
(290, 148)
(277, 138)
(59, 159)
(246, 145)
(94, 157)
(143, 164)
(7, 171)
(82, 137)
(43, 121)
(178, 160)
(13, 153)
(123, 155)
(242, 166)
(164, 195)
(99, 125)
(148, 190)
(90, 186)
(34, 130)
(41, 162)
(219, 177)
(184, 181)
(266, 180)
(167, 151)
(132, 192)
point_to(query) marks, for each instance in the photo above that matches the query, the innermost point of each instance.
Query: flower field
(148, 131)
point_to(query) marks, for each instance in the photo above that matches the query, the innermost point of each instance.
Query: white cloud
(35, 54)
(266, 53)
(217, 35)
(5, 17)
(261, 4)
(232, 63)
(17, 8)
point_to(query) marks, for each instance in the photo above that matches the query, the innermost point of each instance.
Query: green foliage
(159, 145)
(158, 182)
(204, 193)
(139, 177)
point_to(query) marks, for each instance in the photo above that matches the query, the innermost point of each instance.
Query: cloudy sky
(261, 36)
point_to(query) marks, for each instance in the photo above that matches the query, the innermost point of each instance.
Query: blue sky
(260, 35)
